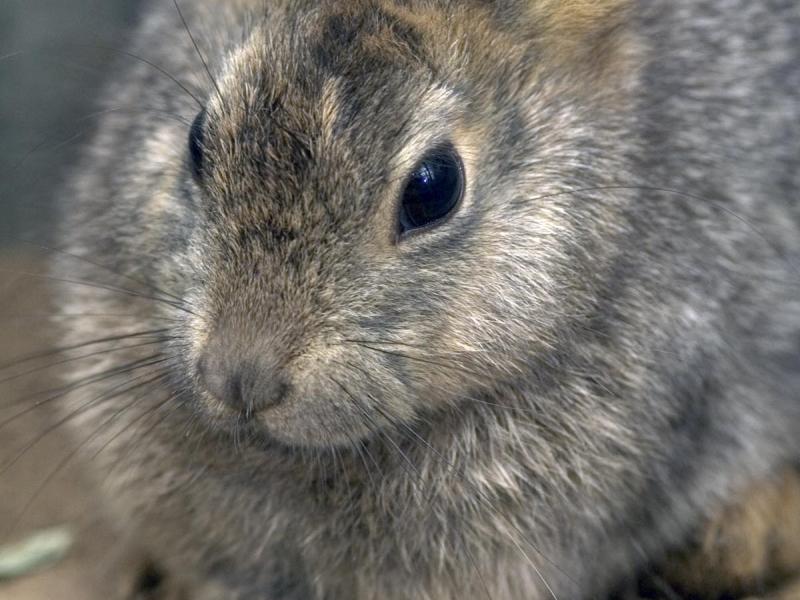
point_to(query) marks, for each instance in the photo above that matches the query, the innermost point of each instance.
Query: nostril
(245, 386)
(260, 387)
(234, 392)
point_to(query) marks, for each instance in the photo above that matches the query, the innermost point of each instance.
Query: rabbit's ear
(578, 17)
(564, 24)
(589, 32)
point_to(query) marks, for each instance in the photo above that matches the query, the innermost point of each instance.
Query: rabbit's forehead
(305, 128)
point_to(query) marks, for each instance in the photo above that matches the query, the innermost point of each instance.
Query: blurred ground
(94, 568)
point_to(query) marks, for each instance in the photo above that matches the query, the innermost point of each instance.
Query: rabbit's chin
(300, 421)
(314, 425)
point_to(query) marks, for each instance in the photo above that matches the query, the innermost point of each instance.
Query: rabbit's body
(527, 401)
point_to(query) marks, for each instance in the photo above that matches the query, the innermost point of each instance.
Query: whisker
(381, 342)
(62, 391)
(108, 269)
(10, 317)
(453, 367)
(96, 285)
(103, 340)
(77, 358)
(197, 50)
(155, 66)
(74, 452)
(72, 137)
(542, 364)
(141, 419)
(106, 396)
(360, 448)
(120, 51)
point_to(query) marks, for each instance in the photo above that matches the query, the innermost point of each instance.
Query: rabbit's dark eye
(196, 139)
(433, 191)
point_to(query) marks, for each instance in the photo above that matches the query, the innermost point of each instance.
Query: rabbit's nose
(246, 384)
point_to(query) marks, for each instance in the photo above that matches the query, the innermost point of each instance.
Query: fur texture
(524, 402)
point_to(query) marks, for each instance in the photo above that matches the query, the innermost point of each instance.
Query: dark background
(51, 67)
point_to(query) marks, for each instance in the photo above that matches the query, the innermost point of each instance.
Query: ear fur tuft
(574, 18)
(588, 32)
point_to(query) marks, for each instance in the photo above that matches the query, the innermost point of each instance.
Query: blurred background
(53, 59)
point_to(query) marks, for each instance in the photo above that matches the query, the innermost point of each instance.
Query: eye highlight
(196, 140)
(433, 191)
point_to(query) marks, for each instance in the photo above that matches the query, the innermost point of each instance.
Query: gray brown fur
(597, 347)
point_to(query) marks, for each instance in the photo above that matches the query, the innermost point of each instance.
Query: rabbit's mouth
(310, 404)
(315, 422)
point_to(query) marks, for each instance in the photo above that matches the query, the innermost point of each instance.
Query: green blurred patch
(37, 551)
